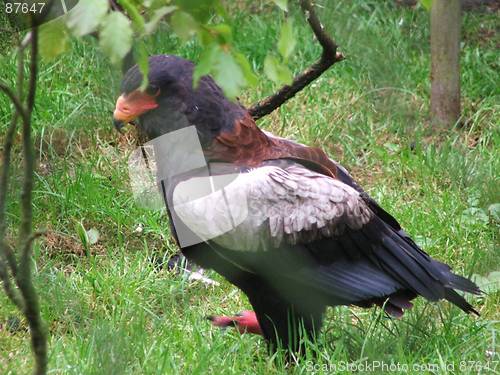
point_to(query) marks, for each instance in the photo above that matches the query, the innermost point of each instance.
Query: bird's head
(170, 102)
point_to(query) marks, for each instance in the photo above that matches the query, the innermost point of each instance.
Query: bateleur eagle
(310, 237)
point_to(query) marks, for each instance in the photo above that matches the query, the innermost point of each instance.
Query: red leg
(246, 321)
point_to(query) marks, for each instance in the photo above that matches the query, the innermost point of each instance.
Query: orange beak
(130, 106)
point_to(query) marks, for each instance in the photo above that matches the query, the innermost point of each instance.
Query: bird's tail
(453, 282)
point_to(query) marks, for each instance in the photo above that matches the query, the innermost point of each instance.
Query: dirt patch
(57, 244)
(62, 142)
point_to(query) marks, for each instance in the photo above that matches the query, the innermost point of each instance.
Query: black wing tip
(474, 311)
(459, 301)
(470, 309)
(463, 284)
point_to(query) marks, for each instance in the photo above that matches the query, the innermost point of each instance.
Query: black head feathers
(163, 70)
(179, 103)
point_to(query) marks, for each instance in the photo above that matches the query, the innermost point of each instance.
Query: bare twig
(5, 250)
(328, 57)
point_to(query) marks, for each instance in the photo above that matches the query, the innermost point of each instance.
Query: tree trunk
(445, 69)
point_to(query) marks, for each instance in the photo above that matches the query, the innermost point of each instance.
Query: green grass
(119, 312)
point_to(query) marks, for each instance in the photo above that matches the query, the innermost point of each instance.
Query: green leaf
(270, 68)
(206, 63)
(286, 42)
(86, 16)
(427, 4)
(53, 38)
(223, 32)
(276, 71)
(183, 24)
(133, 12)
(157, 17)
(82, 235)
(248, 73)
(205, 37)
(115, 37)
(219, 34)
(143, 63)
(283, 4)
(228, 74)
(81, 232)
(231, 71)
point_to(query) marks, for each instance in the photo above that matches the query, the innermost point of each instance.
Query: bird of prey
(300, 235)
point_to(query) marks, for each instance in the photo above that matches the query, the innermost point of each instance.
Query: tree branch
(26, 236)
(5, 249)
(328, 57)
(24, 296)
(10, 290)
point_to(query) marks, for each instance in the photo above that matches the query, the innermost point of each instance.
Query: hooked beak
(118, 124)
(130, 106)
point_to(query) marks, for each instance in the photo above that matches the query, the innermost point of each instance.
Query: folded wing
(355, 255)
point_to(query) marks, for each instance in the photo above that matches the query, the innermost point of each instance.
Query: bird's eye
(152, 90)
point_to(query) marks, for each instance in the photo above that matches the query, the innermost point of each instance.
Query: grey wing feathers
(299, 205)
(270, 205)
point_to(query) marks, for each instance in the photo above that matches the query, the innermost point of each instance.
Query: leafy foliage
(205, 20)
(184, 24)
(116, 36)
(81, 21)
(286, 42)
(54, 39)
(276, 71)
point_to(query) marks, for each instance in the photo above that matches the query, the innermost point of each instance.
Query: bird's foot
(246, 321)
